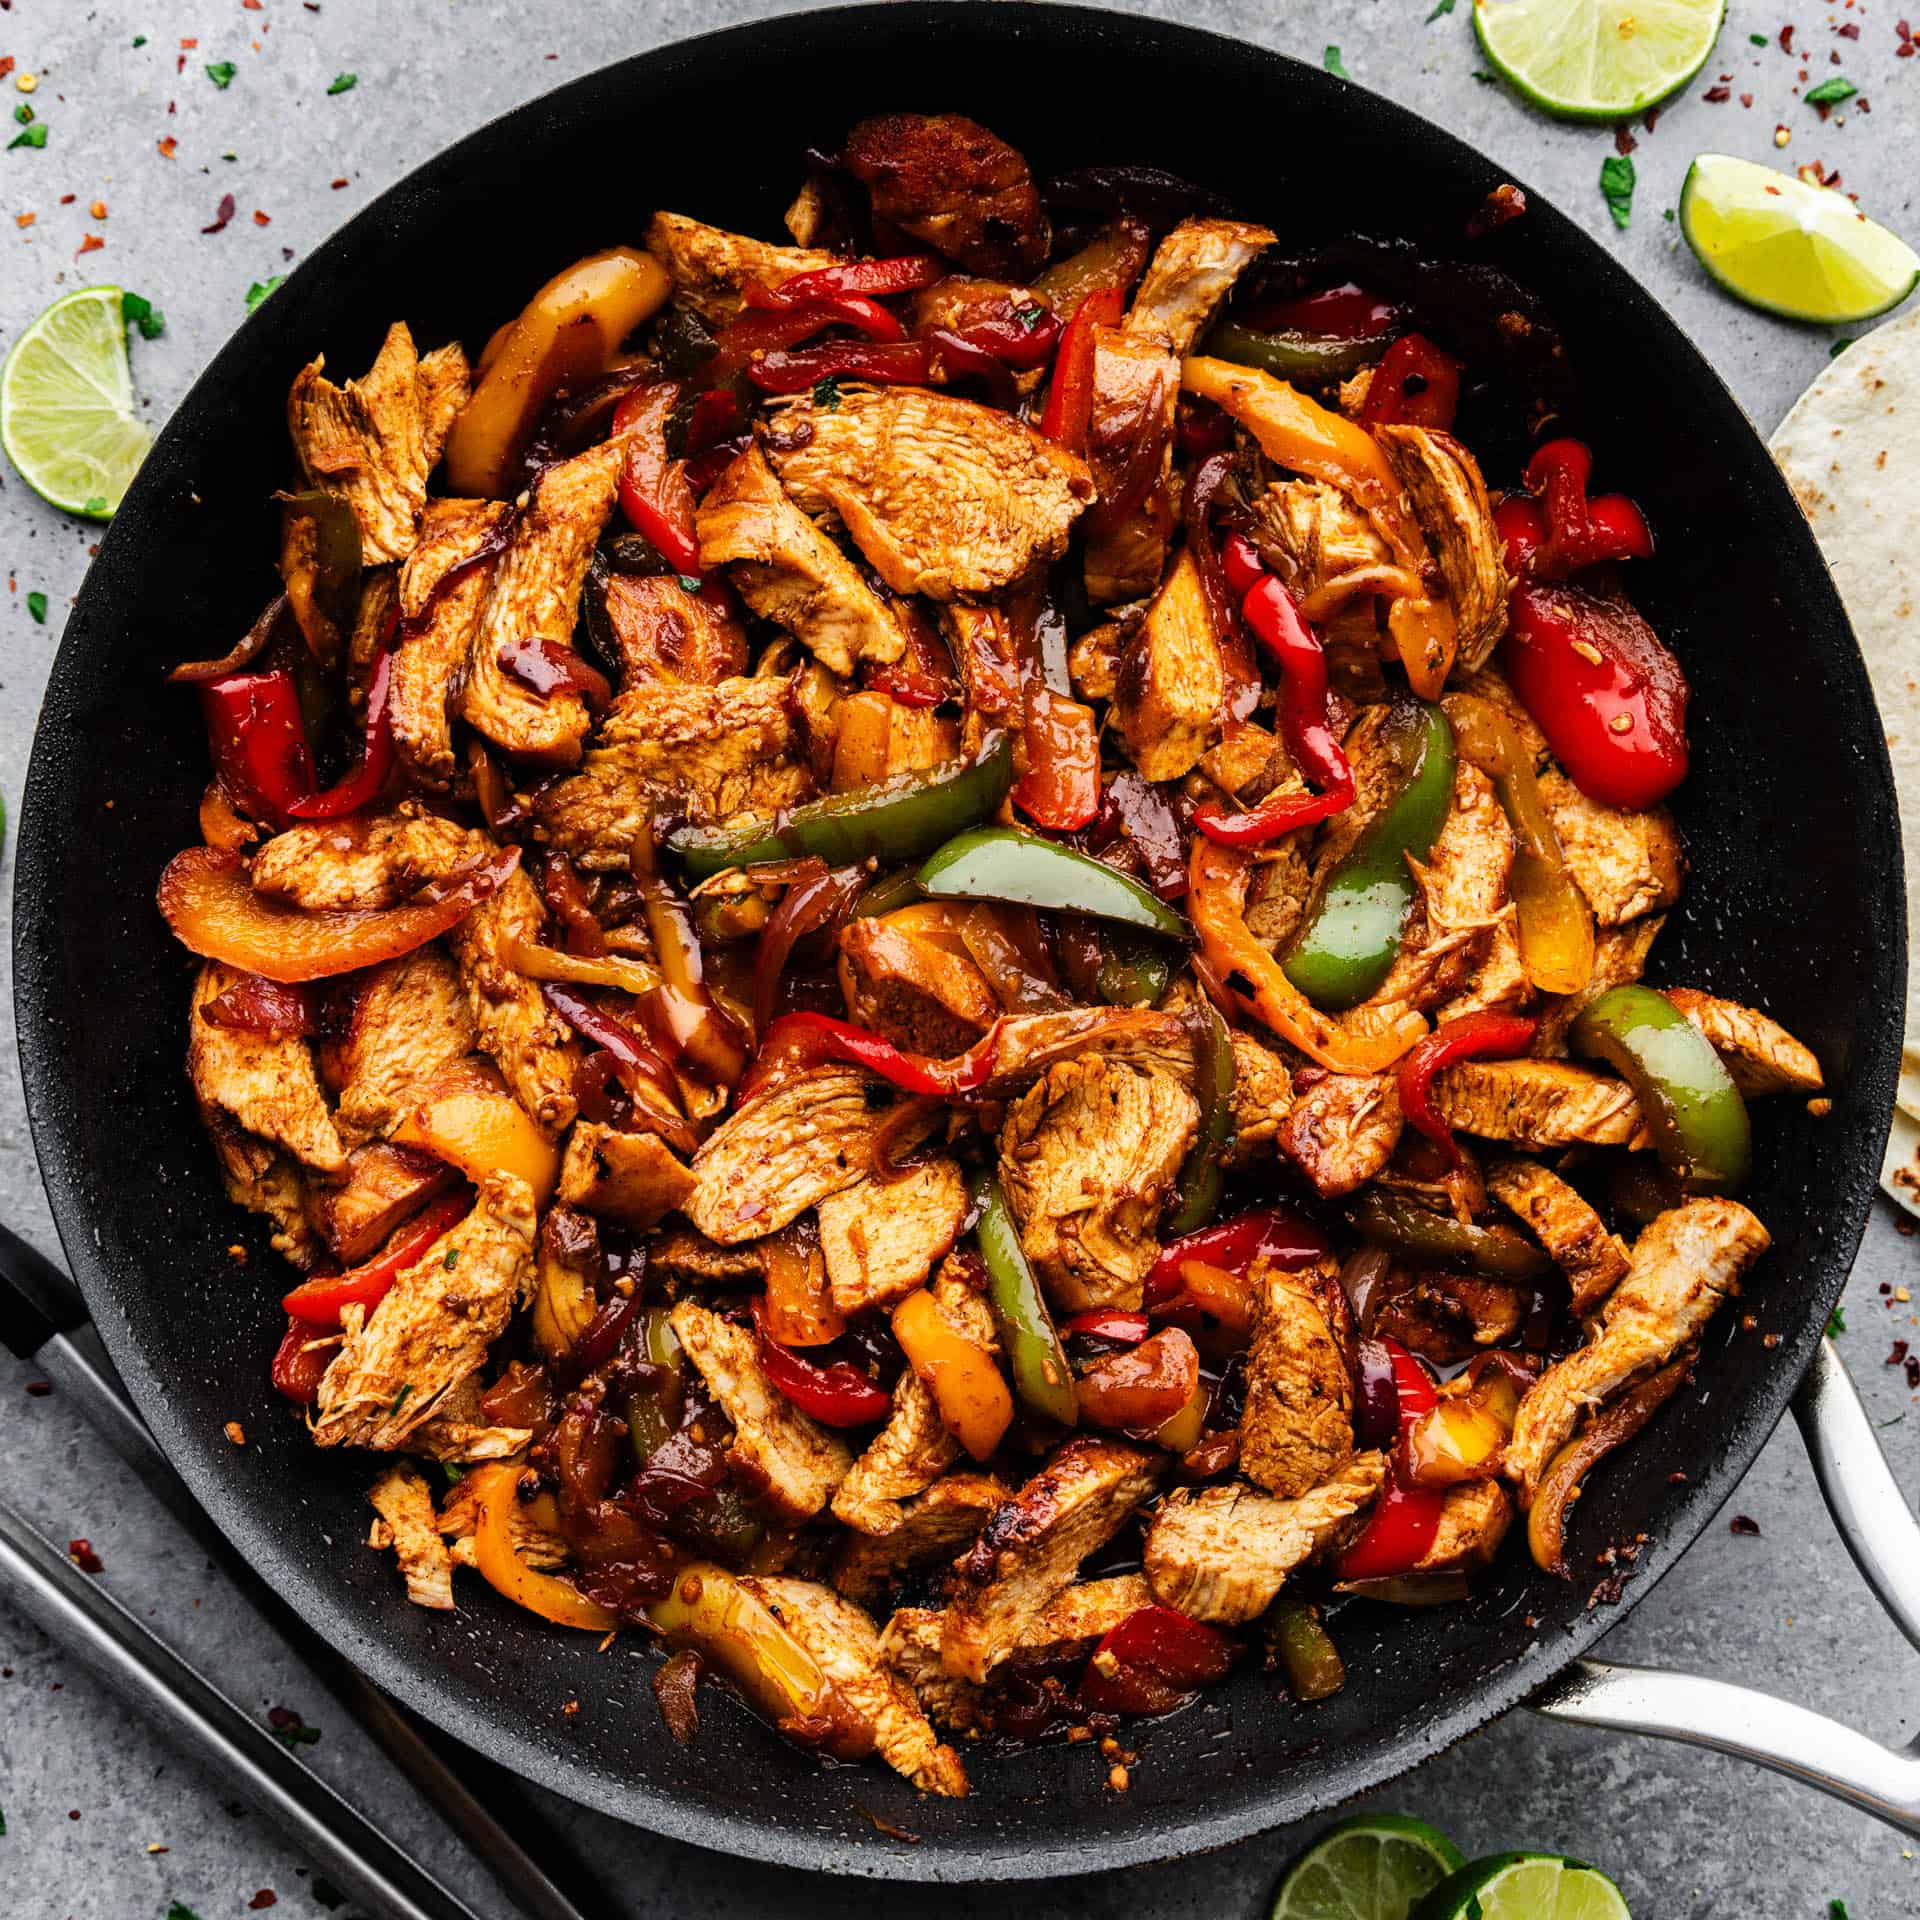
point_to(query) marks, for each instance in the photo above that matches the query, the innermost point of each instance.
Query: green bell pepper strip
(1002, 863)
(653, 1412)
(1197, 1194)
(1134, 971)
(1402, 1227)
(1692, 1108)
(896, 820)
(886, 893)
(1350, 935)
(1041, 1376)
(1289, 354)
(1305, 1650)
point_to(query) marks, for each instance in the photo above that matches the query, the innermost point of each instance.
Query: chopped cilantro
(326, 1893)
(33, 136)
(23, 113)
(95, 503)
(1838, 348)
(1616, 187)
(260, 289)
(343, 83)
(1667, 213)
(826, 394)
(689, 584)
(1027, 318)
(1829, 93)
(452, 1260)
(37, 606)
(1836, 1322)
(1756, 39)
(139, 39)
(1894, 1422)
(3, 1825)
(1485, 78)
(454, 1472)
(1334, 64)
(221, 74)
(1836, 1910)
(179, 1910)
(1443, 6)
(139, 311)
(399, 1399)
(297, 1734)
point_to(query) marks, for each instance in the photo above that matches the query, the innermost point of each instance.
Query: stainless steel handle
(1880, 1531)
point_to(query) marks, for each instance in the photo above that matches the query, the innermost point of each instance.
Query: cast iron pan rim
(59, 1141)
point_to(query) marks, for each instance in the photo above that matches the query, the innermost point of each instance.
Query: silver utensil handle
(1880, 1531)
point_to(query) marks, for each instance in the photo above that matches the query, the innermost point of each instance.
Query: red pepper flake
(179, 66)
(262, 219)
(1506, 202)
(98, 209)
(336, 185)
(1746, 99)
(1747, 1527)
(1650, 118)
(250, 6)
(6, 65)
(25, 219)
(191, 43)
(266, 1897)
(1786, 39)
(1851, 31)
(81, 1553)
(1716, 95)
(221, 214)
(1898, 1354)
(1905, 50)
(1913, 1370)
(1623, 141)
(89, 243)
(39, 1389)
(1862, 104)
(168, 147)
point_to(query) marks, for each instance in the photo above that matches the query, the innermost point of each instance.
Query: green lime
(1373, 1866)
(1597, 59)
(1802, 251)
(66, 405)
(1525, 1886)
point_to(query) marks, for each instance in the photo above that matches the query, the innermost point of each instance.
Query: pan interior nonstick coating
(1794, 904)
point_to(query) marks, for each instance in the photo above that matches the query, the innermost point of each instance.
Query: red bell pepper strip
(1068, 414)
(298, 1364)
(362, 786)
(1109, 1323)
(1240, 561)
(1522, 528)
(839, 1395)
(319, 1302)
(1347, 312)
(902, 273)
(1404, 1519)
(884, 362)
(1059, 787)
(844, 309)
(1415, 385)
(1277, 1234)
(1020, 343)
(1581, 532)
(1269, 610)
(805, 1039)
(1610, 698)
(259, 743)
(1151, 1661)
(675, 544)
(1473, 1036)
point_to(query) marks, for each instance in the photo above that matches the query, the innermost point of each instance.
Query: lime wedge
(66, 405)
(1374, 1866)
(1525, 1886)
(1805, 252)
(1597, 59)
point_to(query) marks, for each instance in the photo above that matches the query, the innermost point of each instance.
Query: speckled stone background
(102, 1822)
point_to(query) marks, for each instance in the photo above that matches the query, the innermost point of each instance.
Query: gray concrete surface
(104, 1823)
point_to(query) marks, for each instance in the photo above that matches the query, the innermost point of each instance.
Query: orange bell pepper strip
(1307, 438)
(1216, 901)
(973, 1401)
(503, 1569)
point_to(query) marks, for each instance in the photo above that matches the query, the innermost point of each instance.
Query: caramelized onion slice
(211, 907)
(1560, 1485)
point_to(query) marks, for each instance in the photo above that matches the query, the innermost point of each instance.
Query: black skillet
(1794, 903)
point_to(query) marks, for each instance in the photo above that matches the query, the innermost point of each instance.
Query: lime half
(66, 405)
(1375, 1866)
(1597, 59)
(1802, 251)
(1525, 1886)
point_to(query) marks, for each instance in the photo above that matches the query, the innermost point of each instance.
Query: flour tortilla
(1851, 449)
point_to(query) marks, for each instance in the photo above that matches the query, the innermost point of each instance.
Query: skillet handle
(1872, 1517)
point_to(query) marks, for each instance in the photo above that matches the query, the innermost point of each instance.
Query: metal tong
(42, 1320)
